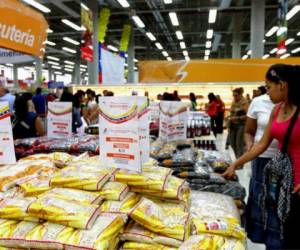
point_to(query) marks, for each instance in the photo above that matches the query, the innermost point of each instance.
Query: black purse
(278, 181)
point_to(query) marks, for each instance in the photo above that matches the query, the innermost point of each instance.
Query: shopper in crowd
(91, 98)
(261, 90)
(220, 114)
(236, 121)
(5, 96)
(248, 98)
(212, 111)
(257, 119)
(255, 93)
(25, 122)
(168, 97)
(109, 93)
(39, 102)
(159, 97)
(193, 100)
(176, 96)
(284, 89)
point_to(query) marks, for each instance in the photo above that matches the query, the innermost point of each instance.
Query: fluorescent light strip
(124, 3)
(174, 18)
(272, 31)
(53, 63)
(245, 57)
(69, 70)
(55, 67)
(182, 45)
(179, 35)
(71, 24)
(296, 50)
(138, 21)
(69, 50)
(212, 16)
(165, 53)
(288, 41)
(69, 62)
(53, 58)
(298, 34)
(281, 51)
(281, 30)
(209, 34)
(285, 56)
(135, 60)
(112, 48)
(206, 58)
(273, 51)
(83, 66)
(69, 66)
(292, 12)
(169, 58)
(266, 56)
(187, 58)
(207, 52)
(57, 73)
(84, 6)
(150, 36)
(208, 44)
(9, 64)
(185, 53)
(37, 6)
(70, 40)
(49, 43)
(158, 45)
(49, 30)
(249, 52)
(168, 1)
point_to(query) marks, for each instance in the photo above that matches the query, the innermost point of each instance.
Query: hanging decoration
(282, 24)
(126, 34)
(102, 24)
(87, 35)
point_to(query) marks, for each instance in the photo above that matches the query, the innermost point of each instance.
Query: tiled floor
(244, 177)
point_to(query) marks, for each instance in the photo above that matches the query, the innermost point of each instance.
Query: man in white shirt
(5, 96)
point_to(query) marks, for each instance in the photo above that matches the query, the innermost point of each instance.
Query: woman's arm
(39, 127)
(250, 130)
(254, 152)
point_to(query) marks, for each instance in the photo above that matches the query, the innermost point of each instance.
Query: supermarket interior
(149, 124)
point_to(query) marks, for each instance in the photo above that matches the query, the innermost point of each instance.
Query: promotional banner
(119, 132)
(112, 67)
(9, 56)
(144, 130)
(87, 35)
(173, 120)
(7, 148)
(59, 119)
(22, 28)
(54, 85)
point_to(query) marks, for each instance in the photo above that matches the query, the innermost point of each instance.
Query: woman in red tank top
(283, 84)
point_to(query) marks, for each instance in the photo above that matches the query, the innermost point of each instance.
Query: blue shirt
(10, 99)
(39, 102)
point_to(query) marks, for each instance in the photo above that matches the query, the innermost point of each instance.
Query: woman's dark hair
(168, 97)
(212, 97)
(291, 75)
(193, 97)
(262, 90)
(21, 105)
(38, 91)
(239, 91)
(76, 100)
(66, 97)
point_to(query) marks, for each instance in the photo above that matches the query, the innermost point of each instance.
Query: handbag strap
(289, 130)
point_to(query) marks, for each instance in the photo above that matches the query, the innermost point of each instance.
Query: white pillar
(38, 70)
(236, 36)
(15, 72)
(130, 59)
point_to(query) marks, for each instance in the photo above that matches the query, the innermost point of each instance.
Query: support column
(130, 59)
(257, 28)
(15, 72)
(76, 72)
(93, 68)
(228, 48)
(50, 73)
(38, 70)
(236, 36)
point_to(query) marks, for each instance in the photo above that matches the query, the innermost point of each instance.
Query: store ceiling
(193, 22)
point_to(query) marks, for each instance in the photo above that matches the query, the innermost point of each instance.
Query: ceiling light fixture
(264, 40)
(49, 43)
(273, 51)
(57, 73)
(187, 58)
(208, 44)
(49, 30)
(182, 45)
(9, 64)
(169, 58)
(113, 48)
(37, 6)
(207, 52)
(298, 34)
(209, 34)
(53, 63)
(124, 3)
(138, 21)
(266, 56)
(281, 51)
(179, 35)
(296, 50)
(165, 53)
(288, 41)
(135, 60)
(292, 12)
(69, 70)
(69, 66)
(281, 30)
(206, 58)
(69, 62)
(71, 24)
(212, 16)
(185, 53)
(285, 56)
(55, 67)
(84, 6)
(168, 1)
(150, 36)
(83, 66)
(249, 52)
(245, 57)
(158, 45)
(53, 58)
(70, 40)
(174, 18)
(272, 31)
(69, 50)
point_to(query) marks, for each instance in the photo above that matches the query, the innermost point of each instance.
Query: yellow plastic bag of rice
(75, 195)
(233, 244)
(227, 227)
(172, 223)
(145, 246)
(6, 226)
(115, 191)
(199, 242)
(61, 159)
(137, 233)
(16, 209)
(64, 212)
(103, 233)
(48, 236)
(125, 206)
(16, 235)
(69, 178)
(35, 186)
(153, 178)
